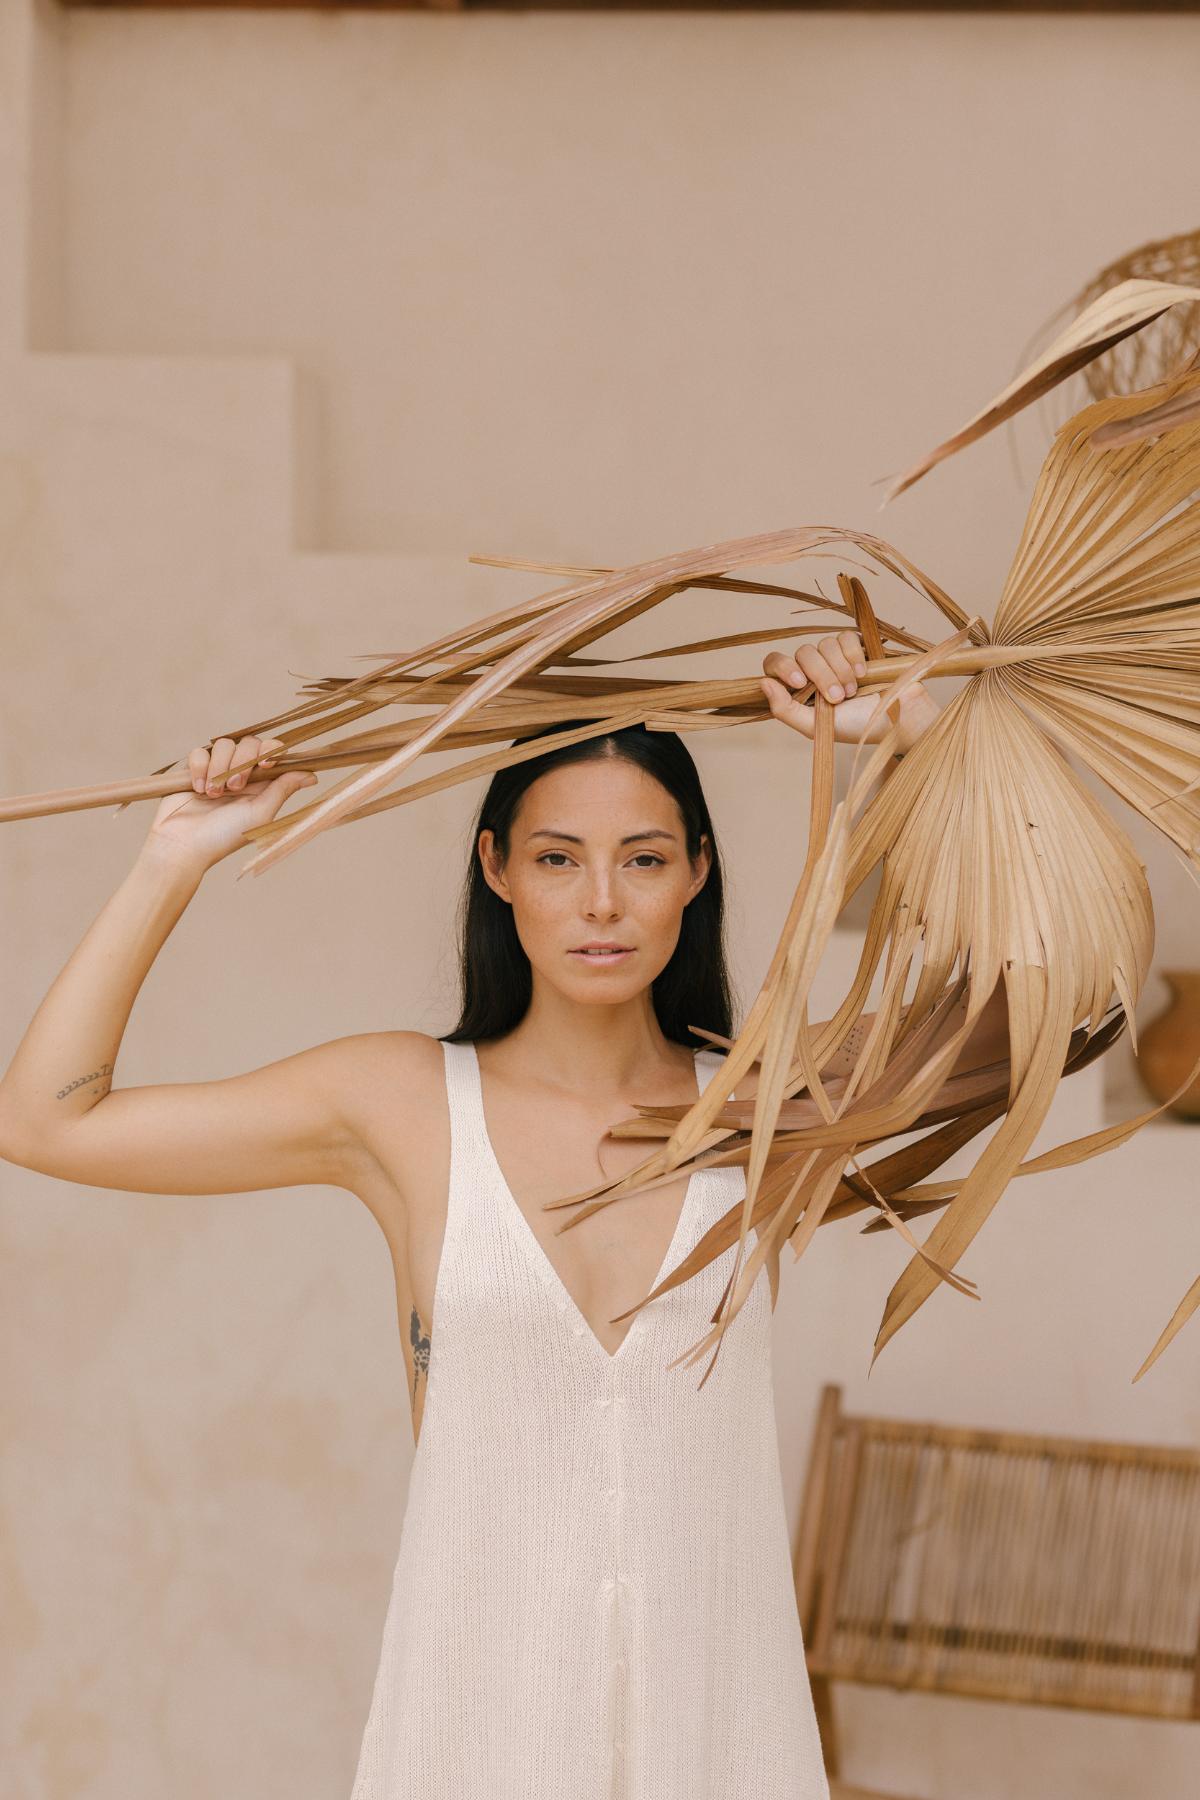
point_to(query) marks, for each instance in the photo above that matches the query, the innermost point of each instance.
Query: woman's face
(596, 855)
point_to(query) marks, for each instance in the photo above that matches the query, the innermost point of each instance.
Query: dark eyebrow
(633, 838)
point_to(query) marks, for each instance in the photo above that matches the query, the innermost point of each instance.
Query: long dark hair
(495, 974)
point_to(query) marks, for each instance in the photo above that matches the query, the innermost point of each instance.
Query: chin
(602, 988)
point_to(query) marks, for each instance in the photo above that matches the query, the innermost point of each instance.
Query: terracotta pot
(1170, 1044)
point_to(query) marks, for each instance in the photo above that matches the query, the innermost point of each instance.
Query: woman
(593, 1592)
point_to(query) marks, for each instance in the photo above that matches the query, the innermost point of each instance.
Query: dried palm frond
(1000, 872)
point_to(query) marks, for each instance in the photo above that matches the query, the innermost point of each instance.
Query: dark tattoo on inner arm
(101, 1075)
(420, 1350)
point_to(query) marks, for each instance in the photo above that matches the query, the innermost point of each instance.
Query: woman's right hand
(210, 823)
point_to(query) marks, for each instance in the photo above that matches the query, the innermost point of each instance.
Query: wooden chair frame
(998, 1564)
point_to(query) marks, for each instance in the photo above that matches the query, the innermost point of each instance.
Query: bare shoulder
(392, 1096)
(401, 1067)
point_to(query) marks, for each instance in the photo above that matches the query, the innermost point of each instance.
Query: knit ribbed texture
(593, 1598)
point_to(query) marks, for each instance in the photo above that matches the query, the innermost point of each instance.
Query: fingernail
(835, 691)
(860, 668)
(852, 687)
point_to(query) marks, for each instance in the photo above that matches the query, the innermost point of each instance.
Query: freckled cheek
(658, 918)
(541, 911)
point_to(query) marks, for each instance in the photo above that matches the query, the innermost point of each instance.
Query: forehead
(600, 796)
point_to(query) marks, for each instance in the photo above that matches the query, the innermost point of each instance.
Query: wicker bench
(1061, 1571)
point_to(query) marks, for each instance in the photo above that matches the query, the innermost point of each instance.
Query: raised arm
(60, 1112)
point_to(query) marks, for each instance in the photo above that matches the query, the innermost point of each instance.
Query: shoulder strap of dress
(465, 1100)
(707, 1064)
(468, 1182)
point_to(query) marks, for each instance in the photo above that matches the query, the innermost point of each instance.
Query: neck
(595, 1049)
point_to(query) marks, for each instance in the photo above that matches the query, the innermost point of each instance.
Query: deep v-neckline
(537, 1250)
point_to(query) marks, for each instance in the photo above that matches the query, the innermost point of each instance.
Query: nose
(601, 897)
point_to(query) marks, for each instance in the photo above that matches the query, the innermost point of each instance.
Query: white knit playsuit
(593, 1597)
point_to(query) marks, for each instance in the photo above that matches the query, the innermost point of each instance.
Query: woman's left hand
(833, 664)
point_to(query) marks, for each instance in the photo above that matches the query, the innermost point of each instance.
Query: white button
(606, 1400)
(610, 1493)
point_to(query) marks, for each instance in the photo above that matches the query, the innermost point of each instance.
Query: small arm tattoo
(420, 1348)
(101, 1075)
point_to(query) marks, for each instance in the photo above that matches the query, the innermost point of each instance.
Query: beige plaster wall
(296, 311)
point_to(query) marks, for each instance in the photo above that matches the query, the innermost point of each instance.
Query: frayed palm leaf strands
(1000, 872)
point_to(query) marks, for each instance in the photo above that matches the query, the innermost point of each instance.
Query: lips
(613, 953)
